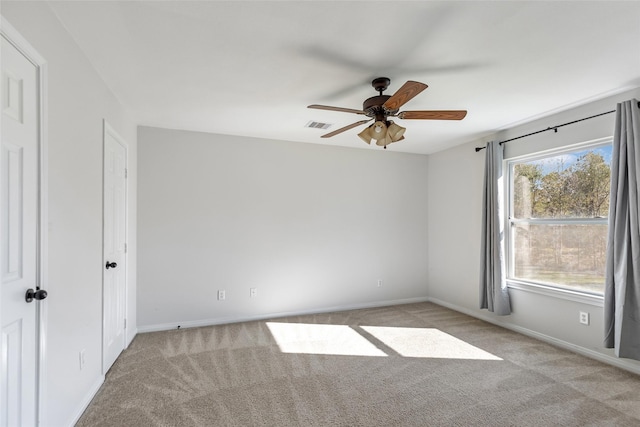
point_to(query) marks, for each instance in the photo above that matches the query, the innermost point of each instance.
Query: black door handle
(111, 265)
(40, 294)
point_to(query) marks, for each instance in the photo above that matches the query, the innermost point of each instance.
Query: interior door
(19, 233)
(115, 232)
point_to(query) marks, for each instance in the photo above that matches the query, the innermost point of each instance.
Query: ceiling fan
(381, 107)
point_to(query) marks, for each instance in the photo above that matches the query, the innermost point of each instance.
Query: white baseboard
(625, 364)
(236, 319)
(130, 336)
(87, 400)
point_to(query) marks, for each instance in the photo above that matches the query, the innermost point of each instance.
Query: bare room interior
(275, 212)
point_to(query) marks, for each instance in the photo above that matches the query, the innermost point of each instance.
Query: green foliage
(590, 186)
(580, 190)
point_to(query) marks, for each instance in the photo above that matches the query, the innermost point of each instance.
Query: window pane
(570, 185)
(567, 255)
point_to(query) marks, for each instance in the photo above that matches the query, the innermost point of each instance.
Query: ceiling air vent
(317, 125)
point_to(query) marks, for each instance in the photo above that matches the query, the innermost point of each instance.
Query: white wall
(454, 217)
(78, 101)
(312, 227)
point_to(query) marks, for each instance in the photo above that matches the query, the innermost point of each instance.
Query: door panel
(19, 192)
(114, 278)
(12, 212)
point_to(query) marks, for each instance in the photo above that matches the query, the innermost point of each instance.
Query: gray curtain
(493, 287)
(622, 271)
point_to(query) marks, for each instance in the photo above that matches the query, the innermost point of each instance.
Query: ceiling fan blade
(351, 126)
(327, 107)
(404, 94)
(433, 115)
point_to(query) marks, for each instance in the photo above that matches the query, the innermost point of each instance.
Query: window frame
(593, 298)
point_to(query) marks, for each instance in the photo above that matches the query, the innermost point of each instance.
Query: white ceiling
(251, 68)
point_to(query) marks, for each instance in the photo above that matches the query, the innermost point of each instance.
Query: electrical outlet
(379, 282)
(584, 317)
(253, 292)
(81, 357)
(221, 295)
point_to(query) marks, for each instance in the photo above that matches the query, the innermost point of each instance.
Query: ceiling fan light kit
(384, 133)
(395, 131)
(380, 107)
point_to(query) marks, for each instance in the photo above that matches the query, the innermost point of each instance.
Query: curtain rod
(553, 128)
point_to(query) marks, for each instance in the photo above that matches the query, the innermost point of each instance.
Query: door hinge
(125, 323)
(125, 248)
(126, 173)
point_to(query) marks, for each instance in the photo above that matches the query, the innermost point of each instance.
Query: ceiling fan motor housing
(374, 107)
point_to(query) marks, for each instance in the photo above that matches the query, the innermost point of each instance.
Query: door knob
(111, 265)
(40, 294)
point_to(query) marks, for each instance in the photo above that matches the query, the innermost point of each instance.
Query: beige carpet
(408, 365)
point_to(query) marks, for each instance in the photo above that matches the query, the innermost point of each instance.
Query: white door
(19, 233)
(115, 232)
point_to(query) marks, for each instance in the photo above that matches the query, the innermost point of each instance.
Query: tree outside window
(558, 218)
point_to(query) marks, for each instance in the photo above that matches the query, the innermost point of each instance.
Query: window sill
(566, 294)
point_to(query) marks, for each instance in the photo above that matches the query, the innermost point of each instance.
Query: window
(557, 222)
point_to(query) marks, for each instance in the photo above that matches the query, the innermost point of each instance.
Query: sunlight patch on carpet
(427, 342)
(313, 338)
(321, 339)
